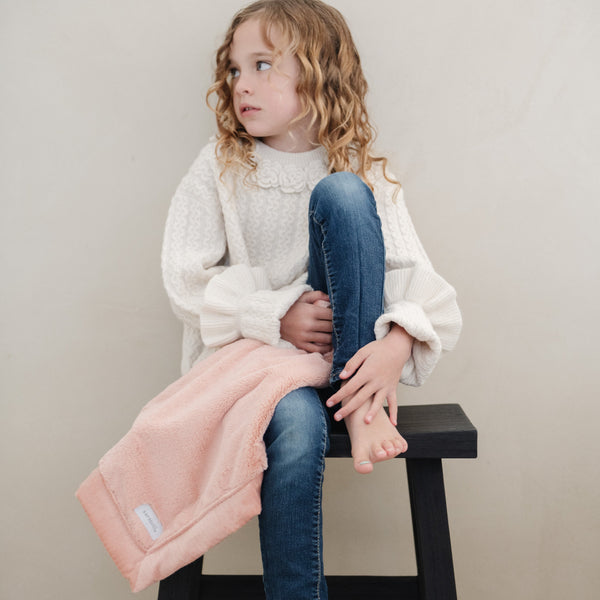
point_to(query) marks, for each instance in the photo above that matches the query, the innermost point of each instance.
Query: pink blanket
(188, 472)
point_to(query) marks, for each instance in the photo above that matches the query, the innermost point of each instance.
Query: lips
(247, 110)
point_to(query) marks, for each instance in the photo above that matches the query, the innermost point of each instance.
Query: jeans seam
(318, 510)
(330, 286)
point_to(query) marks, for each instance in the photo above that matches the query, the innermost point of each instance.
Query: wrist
(400, 338)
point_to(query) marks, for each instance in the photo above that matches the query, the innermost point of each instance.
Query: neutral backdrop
(490, 113)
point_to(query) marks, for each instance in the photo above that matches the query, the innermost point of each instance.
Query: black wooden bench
(433, 432)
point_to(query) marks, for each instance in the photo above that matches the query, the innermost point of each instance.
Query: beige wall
(490, 113)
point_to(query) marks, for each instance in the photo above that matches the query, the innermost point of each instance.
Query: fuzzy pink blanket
(188, 472)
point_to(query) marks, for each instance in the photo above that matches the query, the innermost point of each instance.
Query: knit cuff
(238, 303)
(263, 310)
(424, 304)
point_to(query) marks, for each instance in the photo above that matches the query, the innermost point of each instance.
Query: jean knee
(298, 430)
(341, 194)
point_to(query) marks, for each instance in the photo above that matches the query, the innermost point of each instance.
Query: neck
(301, 137)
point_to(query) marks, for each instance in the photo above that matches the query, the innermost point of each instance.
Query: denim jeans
(346, 261)
(290, 523)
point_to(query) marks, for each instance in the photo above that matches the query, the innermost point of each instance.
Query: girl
(289, 230)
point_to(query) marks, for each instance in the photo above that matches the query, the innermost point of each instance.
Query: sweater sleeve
(239, 302)
(415, 296)
(223, 303)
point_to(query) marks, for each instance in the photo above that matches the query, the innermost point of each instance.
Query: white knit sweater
(235, 256)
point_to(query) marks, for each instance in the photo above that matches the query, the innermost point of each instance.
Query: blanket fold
(188, 472)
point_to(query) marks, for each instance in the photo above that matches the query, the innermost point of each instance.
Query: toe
(378, 452)
(362, 460)
(389, 448)
(363, 466)
(401, 445)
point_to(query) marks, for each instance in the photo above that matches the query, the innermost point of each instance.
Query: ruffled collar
(289, 171)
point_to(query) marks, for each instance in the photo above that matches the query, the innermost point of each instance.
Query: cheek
(297, 104)
(287, 105)
(289, 96)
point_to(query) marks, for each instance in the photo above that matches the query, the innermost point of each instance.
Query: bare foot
(373, 442)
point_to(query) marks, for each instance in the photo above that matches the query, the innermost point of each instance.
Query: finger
(323, 303)
(323, 300)
(319, 338)
(313, 296)
(323, 348)
(354, 363)
(324, 326)
(318, 314)
(322, 313)
(376, 406)
(344, 392)
(357, 401)
(312, 347)
(321, 324)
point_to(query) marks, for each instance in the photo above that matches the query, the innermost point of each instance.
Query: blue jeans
(346, 261)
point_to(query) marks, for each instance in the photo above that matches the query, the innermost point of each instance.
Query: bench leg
(184, 584)
(431, 531)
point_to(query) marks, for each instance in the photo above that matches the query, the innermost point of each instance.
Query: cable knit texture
(235, 255)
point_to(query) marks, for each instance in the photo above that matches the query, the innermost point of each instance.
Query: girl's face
(265, 99)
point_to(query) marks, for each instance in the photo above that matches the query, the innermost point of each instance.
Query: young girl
(289, 230)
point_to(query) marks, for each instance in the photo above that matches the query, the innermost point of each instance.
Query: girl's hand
(308, 323)
(377, 368)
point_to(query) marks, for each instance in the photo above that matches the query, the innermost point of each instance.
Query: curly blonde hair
(331, 85)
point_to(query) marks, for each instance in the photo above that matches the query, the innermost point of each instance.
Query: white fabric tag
(150, 521)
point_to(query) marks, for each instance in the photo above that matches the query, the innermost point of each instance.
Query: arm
(223, 302)
(415, 296)
(194, 243)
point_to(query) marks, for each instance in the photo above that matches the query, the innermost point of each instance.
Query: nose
(243, 85)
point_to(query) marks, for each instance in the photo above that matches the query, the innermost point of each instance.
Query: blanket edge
(143, 568)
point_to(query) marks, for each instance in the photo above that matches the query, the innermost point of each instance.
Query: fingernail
(329, 403)
(364, 462)
(337, 417)
(344, 373)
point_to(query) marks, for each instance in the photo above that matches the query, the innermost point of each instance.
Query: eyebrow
(255, 55)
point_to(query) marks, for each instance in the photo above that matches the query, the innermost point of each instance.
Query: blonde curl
(331, 86)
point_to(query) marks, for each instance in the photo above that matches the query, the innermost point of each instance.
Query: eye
(234, 73)
(262, 65)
